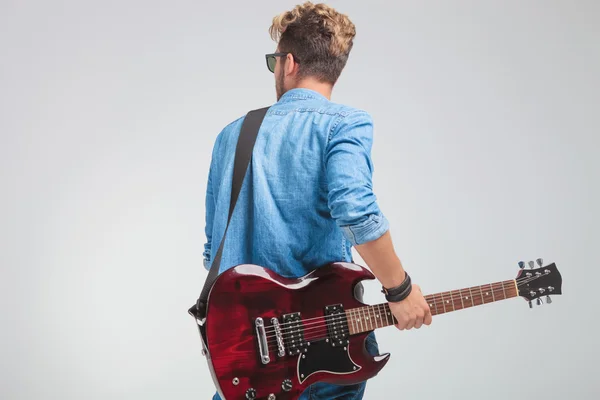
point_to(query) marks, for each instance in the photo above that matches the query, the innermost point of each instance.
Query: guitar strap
(243, 154)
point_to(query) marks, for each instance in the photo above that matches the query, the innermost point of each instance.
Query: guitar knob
(251, 394)
(539, 302)
(530, 305)
(531, 264)
(286, 385)
(548, 299)
(521, 264)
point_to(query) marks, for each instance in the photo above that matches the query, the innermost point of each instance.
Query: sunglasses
(272, 59)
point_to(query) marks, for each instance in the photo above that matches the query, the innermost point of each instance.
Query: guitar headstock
(535, 283)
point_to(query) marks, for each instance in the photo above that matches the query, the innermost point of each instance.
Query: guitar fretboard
(368, 318)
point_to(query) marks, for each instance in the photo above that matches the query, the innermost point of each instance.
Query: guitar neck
(368, 318)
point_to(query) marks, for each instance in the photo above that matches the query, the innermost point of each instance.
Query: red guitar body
(243, 295)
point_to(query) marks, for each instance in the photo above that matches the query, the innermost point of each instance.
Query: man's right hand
(413, 311)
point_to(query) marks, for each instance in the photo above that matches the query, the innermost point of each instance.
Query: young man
(307, 197)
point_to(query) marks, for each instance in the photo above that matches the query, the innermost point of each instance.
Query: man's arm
(354, 207)
(381, 258)
(209, 216)
(210, 202)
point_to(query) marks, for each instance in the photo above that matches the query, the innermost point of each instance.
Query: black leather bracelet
(399, 292)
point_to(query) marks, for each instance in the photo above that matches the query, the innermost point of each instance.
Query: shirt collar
(302, 94)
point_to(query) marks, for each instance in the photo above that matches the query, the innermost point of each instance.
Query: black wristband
(399, 292)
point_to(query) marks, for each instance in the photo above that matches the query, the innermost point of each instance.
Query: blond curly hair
(319, 37)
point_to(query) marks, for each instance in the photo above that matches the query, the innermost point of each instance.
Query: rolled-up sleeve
(349, 170)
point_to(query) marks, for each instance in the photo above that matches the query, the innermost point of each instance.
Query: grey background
(485, 153)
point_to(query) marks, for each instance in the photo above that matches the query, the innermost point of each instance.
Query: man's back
(310, 195)
(307, 196)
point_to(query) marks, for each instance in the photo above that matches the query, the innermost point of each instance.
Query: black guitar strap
(243, 154)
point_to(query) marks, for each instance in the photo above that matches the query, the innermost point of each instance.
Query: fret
(465, 298)
(379, 315)
(492, 291)
(354, 327)
(372, 311)
(451, 301)
(359, 320)
(374, 316)
(454, 299)
(482, 299)
(389, 313)
(382, 314)
(443, 301)
(471, 294)
(349, 322)
(386, 316)
(503, 291)
(461, 298)
(369, 317)
(363, 319)
(434, 304)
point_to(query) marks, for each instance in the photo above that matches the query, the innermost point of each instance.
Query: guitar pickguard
(321, 356)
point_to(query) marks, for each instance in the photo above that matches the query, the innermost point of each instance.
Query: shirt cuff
(370, 229)
(206, 258)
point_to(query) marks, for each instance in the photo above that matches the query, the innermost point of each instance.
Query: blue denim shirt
(307, 196)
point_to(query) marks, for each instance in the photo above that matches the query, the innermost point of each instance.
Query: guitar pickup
(294, 336)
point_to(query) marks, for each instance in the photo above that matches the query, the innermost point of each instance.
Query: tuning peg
(548, 299)
(531, 264)
(521, 264)
(539, 261)
(539, 302)
(530, 305)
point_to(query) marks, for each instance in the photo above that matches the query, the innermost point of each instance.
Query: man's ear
(290, 64)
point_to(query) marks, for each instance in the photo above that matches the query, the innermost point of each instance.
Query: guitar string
(340, 317)
(369, 315)
(453, 296)
(316, 332)
(366, 312)
(373, 314)
(498, 286)
(440, 295)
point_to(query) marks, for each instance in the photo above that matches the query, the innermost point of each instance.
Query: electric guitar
(270, 337)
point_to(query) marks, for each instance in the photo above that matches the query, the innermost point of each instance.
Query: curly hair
(319, 37)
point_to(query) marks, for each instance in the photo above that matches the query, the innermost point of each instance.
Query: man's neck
(319, 87)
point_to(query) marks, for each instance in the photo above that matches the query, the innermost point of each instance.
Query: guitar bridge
(262, 340)
(278, 337)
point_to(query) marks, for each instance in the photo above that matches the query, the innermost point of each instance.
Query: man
(307, 197)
